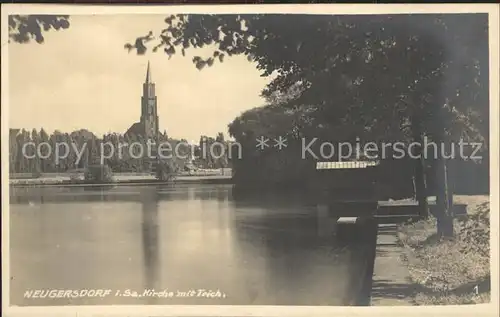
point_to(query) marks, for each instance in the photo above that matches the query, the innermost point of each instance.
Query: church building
(147, 127)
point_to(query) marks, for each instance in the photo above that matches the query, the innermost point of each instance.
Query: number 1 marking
(476, 290)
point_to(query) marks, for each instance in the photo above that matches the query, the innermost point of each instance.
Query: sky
(82, 77)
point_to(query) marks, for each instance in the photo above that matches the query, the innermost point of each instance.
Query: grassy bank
(450, 272)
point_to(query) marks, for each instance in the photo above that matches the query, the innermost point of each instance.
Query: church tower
(149, 110)
(148, 126)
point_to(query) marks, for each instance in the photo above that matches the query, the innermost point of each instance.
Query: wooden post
(419, 171)
(421, 188)
(326, 222)
(443, 214)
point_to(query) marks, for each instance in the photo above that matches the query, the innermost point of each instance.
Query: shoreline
(391, 285)
(143, 181)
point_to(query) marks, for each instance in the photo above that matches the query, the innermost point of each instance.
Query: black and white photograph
(312, 157)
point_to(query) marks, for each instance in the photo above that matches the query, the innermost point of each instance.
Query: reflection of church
(147, 127)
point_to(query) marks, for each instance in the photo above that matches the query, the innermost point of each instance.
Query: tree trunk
(444, 197)
(419, 171)
(444, 201)
(421, 188)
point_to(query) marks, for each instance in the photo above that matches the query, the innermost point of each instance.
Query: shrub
(474, 233)
(166, 170)
(99, 174)
(36, 174)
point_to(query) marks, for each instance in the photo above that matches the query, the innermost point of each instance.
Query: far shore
(119, 179)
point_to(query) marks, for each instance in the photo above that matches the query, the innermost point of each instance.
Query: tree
(13, 150)
(166, 170)
(266, 166)
(34, 163)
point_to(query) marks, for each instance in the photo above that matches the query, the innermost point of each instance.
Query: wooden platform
(396, 212)
(383, 211)
(410, 207)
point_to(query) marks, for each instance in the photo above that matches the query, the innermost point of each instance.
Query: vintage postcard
(250, 160)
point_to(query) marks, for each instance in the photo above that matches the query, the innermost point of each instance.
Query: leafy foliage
(23, 28)
(377, 71)
(474, 232)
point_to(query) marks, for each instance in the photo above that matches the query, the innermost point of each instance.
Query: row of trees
(213, 152)
(285, 167)
(38, 152)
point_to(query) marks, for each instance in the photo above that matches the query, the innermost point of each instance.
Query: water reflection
(150, 241)
(254, 251)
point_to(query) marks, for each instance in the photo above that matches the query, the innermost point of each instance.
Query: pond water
(173, 242)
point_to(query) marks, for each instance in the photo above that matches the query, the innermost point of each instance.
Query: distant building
(345, 165)
(147, 127)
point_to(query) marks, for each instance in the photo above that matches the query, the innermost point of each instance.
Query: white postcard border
(192, 310)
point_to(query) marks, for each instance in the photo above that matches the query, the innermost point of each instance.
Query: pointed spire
(148, 75)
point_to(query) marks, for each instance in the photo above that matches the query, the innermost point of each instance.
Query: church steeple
(148, 124)
(149, 113)
(148, 75)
